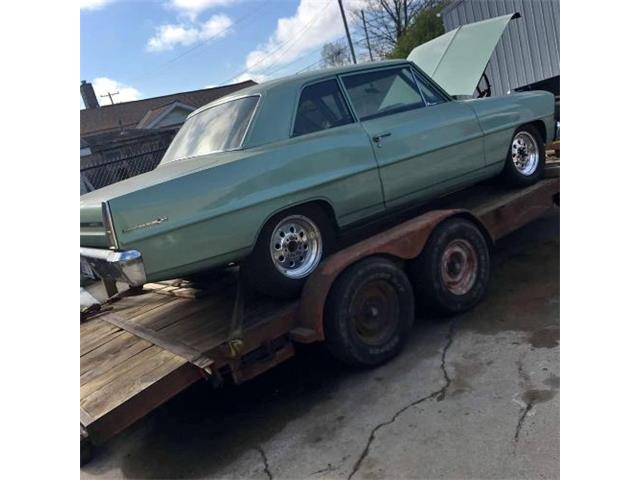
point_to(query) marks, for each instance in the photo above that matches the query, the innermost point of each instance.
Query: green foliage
(426, 26)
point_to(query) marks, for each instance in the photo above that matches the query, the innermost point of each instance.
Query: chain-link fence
(118, 163)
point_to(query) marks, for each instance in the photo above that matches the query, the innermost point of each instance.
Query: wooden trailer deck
(144, 348)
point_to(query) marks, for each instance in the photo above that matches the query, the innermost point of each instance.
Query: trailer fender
(404, 241)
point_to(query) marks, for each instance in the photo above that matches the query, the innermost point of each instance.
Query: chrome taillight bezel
(107, 221)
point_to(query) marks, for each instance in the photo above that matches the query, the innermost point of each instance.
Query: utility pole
(366, 34)
(110, 95)
(346, 29)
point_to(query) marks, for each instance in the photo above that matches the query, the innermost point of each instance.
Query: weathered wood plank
(130, 383)
(110, 355)
(144, 359)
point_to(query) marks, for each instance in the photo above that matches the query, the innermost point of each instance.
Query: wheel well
(485, 233)
(542, 129)
(325, 206)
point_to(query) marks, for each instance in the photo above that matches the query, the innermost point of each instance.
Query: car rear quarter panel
(500, 116)
(214, 215)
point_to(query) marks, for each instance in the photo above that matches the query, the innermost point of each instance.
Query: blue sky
(147, 48)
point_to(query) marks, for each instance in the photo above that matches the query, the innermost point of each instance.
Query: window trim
(428, 80)
(311, 83)
(376, 69)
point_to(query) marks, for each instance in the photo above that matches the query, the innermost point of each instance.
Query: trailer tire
(451, 274)
(86, 451)
(260, 272)
(525, 160)
(369, 313)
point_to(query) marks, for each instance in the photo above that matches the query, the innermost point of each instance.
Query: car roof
(296, 80)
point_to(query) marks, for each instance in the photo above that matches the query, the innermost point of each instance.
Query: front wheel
(289, 248)
(526, 157)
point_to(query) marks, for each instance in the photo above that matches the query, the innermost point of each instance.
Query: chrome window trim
(398, 66)
(311, 83)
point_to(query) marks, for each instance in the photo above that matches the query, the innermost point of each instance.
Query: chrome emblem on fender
(145, 225)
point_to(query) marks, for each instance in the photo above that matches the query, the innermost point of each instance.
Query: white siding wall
(529, 50)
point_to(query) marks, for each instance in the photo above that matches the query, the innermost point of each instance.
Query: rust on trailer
(497, 216)
(403, 241)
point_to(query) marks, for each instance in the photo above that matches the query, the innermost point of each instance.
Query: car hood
(457, 59)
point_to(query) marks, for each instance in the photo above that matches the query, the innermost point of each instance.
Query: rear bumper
(126, 266)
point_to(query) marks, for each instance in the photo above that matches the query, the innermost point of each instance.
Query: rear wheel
(451, 274)
(525, 160)
(289, 248)
(369, 313)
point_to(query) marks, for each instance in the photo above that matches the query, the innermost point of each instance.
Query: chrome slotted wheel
(296, 246)
(524, 153)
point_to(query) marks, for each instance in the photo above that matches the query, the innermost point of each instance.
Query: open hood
(457, 59)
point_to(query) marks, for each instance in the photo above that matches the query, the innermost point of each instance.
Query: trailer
(144, 346)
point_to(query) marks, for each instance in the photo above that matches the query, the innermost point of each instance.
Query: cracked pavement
(476, 396)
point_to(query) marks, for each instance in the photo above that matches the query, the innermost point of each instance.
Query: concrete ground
(476, 396)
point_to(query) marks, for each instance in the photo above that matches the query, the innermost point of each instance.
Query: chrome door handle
(379, 137)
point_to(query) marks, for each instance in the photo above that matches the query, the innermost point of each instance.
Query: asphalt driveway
(476, 396)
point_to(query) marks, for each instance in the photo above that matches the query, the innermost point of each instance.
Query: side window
(383, 92)
(321, 106)
(431, 95)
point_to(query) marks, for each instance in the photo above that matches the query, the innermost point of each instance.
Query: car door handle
(378, 138)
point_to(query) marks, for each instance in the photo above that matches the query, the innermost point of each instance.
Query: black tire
(369, 313)
(259, 271)
(451, 274)
(514, 177)
(86, 451)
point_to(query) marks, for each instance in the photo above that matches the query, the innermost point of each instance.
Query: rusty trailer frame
(143, 349)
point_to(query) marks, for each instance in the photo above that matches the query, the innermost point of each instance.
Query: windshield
(219, 128)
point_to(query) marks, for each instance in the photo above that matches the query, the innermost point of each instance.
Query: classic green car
(268, 175)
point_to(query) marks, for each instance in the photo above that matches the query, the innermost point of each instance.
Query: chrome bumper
(124, 266)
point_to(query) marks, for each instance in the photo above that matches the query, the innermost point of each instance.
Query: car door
(424, 143)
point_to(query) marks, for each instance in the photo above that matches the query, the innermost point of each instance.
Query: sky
(147, 48)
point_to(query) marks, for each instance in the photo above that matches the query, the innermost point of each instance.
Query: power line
(203, 42)
(290, 43)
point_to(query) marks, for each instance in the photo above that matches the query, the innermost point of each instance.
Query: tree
(387, 21)
(426, 26)
(335, 54)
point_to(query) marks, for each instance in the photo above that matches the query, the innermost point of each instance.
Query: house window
(321, 106)
(383, 92)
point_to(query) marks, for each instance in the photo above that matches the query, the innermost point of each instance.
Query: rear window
(321, 106)
(216, 129)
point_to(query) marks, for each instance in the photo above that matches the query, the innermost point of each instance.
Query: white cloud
(313, 24)
(256, 77)
(192, 8)
(94, 4)
(169, 35)
(104, 85)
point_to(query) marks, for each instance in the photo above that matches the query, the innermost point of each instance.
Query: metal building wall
(529, 50)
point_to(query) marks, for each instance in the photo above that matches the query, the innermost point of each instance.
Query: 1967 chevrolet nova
(268, 174)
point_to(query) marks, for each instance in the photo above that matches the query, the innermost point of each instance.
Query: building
(528, 53)
(129, 138)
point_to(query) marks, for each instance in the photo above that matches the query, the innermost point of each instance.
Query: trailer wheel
(451, 274)
(369, 313)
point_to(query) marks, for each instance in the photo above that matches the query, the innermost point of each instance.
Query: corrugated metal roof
(529, 50)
